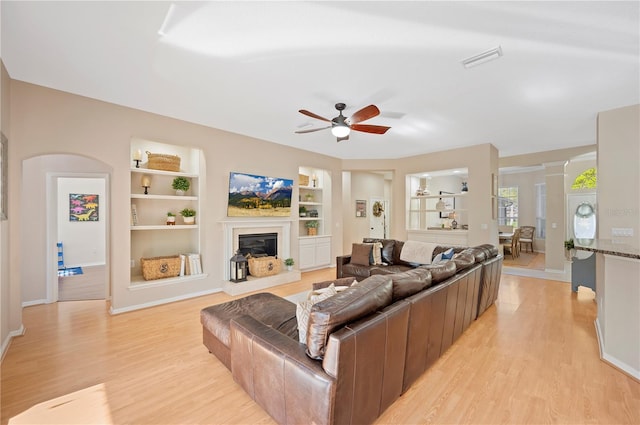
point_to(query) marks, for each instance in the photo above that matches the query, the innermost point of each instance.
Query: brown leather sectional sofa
(365, 346)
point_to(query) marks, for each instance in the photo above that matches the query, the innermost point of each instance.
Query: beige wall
(10, 318)
(46, 121)
(618, 172)
(481, 162)
(364, 186)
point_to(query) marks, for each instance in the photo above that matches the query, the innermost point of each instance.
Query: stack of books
(190, 264)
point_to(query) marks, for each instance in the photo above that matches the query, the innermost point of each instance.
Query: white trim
(7, 341)
(36, 302)
(114, 311)
(596, 323)
(623, 367)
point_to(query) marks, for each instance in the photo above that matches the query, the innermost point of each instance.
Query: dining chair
(512, 245)
(527, 233)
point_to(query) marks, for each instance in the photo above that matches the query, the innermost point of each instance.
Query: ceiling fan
(341, 126)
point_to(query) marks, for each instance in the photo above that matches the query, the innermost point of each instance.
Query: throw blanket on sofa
(417, 252)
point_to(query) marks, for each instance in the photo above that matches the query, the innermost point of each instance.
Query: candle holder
(145, 182)
(137, 157)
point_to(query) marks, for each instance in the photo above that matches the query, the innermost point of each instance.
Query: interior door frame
(52, 229)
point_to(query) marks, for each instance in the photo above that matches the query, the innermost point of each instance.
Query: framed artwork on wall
(449, 204)
(361, 208)
(83, 207)
(3, 176)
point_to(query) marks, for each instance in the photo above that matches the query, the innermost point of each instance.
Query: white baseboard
(7, 341)
(114, 311)
(35, 302)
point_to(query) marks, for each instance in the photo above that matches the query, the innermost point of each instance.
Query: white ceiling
(248, 67)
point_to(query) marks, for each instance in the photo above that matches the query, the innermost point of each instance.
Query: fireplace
(258, 244)
(233, 229)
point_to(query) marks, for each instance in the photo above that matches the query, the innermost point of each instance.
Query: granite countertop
(611, 247)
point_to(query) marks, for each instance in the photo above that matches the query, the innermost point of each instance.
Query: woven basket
(164, 162)
(303, 180)
(160, 267)
(264, 266)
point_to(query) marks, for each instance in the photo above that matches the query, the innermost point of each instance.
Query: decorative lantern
(238, 268)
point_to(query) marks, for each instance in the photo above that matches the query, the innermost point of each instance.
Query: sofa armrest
(276, 372)
(341, 261)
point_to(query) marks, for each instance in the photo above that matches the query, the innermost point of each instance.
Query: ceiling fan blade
(312, 115)
(340, 139)
(376, 129)
(311, 130)
(364, 114)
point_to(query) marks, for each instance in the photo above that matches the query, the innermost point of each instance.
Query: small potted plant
(308, 197)
(181, 185)
(569, 249)
(171, 219)
(312, 227)
(302, 210)
(289, 263)
(188, 215)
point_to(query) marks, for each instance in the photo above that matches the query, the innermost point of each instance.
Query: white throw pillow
(303, 309)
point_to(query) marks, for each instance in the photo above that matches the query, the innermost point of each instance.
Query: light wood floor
(90, 285)
(532, 358)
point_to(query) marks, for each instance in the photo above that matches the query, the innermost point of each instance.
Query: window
(541, 210)
(508, 206)
(587, 180)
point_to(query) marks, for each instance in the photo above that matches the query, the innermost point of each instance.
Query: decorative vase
(454, 224)
(171, 221)
(289, 268)
(179, 192)
(312, 231)
(189, 220)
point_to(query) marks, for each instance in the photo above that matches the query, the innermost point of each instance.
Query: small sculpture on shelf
(464, 187)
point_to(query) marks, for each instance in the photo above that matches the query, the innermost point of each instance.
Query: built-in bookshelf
(314, 198)
(152, 234)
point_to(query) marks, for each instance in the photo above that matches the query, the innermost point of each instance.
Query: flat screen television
(251, 195)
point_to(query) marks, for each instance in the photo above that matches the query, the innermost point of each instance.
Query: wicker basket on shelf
(303, 180)
(160, 267)
(163, 162)
(264, 266)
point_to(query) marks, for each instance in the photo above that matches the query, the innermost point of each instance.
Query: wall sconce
(137, 157)
(238, 268)
(314, 179)
(145, 182)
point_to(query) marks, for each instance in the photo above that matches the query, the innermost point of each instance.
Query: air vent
(483, 57)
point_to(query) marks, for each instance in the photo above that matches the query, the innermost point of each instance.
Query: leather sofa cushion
(343, 281)
(389, 269)
(360, 272)
(464, 260)
(265, 307)
(361, 254)
(366, 297)
(441, 271)
(410, 282)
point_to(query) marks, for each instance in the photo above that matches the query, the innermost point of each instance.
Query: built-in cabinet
(151, 234)
(314, 199)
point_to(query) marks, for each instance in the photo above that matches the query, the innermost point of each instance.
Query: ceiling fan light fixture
(483, 57)
(340, 130)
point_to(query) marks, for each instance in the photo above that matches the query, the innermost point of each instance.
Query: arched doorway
(41, 213)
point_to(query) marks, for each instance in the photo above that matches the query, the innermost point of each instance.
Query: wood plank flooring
(532, 358)
(90, 285)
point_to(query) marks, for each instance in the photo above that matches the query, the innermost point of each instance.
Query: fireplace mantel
(233, 228)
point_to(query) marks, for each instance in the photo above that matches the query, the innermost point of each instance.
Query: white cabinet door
(315, 252)
(307, 253)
